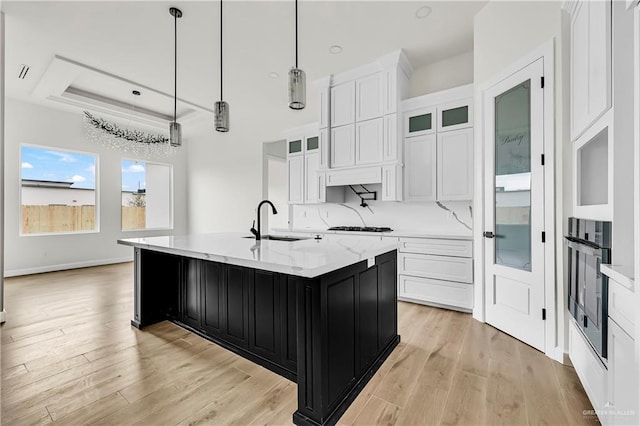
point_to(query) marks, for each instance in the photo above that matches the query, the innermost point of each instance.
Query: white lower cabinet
(623, 371)
(436, 291)
(436, 271)
(589, 368)
(623, 377)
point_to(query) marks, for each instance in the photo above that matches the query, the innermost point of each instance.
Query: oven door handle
(583, 248)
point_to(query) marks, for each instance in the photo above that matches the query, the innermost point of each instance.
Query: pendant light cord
(175, 66)
(221, 50)
(296, 33)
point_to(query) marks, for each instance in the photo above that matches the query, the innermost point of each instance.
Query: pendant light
(221, 108)
(297, 79)
(175, 129)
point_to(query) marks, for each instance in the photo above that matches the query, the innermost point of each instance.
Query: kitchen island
(321, 313)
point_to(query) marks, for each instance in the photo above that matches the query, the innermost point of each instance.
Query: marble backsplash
(448, 217)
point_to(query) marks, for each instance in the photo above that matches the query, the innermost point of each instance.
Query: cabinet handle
(489, 234)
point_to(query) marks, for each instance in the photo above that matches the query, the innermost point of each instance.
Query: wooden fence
(133, 217)
(53, 218)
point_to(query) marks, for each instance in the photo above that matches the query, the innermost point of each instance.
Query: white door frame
(554, 294)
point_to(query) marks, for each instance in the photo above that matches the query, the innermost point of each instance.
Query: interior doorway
(274, 185)
(514, 230)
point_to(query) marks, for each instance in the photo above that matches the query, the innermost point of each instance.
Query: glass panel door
(513, 177)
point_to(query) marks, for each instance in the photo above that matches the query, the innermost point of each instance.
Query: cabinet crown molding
(391, 60)
(447, 95)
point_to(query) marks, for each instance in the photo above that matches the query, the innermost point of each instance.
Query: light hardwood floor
(69, 356)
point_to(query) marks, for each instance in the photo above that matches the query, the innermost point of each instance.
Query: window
(147, 198)
(58, 191)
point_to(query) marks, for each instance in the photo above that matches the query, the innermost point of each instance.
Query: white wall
(225, 169)
(158, 196)
(505, 31)
(37, 125)
(451, 72)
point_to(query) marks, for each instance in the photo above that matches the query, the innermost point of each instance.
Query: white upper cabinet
(590, 63)
(325, 95)
(438, 146)
(391, 91)
(295, 179)
(312, 180)
(343, 108)
(420, 121)
(324, 148)
(455, 165)
(420, 168)
(295, 146)
(370, 96)
(306, 147)
(369, 141)
(455, 115)
(390, 151)
(343, 146)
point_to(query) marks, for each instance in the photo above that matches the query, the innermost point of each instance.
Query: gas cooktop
(360, 228)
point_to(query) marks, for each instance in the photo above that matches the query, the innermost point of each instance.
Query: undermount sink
(279, 238)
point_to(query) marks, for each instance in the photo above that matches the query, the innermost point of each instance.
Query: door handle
(488, 234)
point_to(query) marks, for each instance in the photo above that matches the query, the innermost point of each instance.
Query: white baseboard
(557, 354)
(65, 266)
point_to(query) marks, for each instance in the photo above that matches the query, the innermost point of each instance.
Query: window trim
(171, 195)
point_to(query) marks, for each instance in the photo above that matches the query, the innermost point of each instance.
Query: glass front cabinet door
(455, 115)
(294, 147)
(420, 122)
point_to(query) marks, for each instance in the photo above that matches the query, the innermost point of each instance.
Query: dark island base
(269, 365)
(328, 334)
(302, 420)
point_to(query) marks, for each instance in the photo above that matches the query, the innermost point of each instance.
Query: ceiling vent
(24, 69)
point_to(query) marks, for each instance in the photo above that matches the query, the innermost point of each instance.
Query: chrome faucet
(274, 211)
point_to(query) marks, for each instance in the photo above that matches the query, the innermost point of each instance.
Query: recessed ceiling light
(273, 75)
(335, 49)
(423, 12)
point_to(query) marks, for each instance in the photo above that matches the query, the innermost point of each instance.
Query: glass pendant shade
(221, 119)
(175, 134)
(297, 89)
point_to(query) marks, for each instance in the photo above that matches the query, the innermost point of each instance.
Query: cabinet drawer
(621, 306)
(458, 269)
(437, 246)
(592, 374)
(436, 291)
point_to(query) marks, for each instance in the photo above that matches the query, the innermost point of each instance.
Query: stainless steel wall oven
(589, 246)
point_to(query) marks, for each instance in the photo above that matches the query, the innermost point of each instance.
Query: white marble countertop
(306, 258)
(394, 233)
(621, 274)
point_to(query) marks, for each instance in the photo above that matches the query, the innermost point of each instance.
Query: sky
(65, 166)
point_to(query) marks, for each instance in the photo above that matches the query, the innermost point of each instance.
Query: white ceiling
(134, 40)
